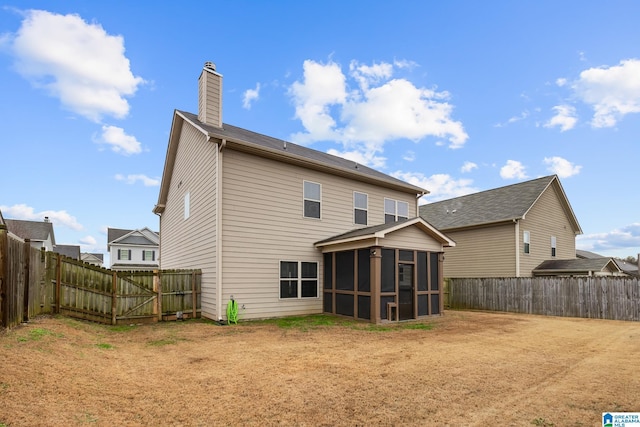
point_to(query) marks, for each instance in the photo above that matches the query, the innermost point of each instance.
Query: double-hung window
(148, 255)
(395, 210)
(298, 279)
(312, 199)
(553, 246)
(360, 208)
(526, 238)
(124, 254)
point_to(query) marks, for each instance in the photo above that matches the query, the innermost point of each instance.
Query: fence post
(4, 274)
(157, 287)
(58, 281)
(26, 250)
(194, 295)
(114, 297)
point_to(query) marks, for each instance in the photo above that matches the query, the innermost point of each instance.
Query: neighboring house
(579, 267)
(507, 231)
(628, 268)
(71, 251)
(133, 249)
(92, 258)
(39, 233)
(286, 230)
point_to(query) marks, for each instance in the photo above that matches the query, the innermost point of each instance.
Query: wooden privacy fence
(34, 282)
(604, 297)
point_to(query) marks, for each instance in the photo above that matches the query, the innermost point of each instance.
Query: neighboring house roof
(33, 230)
(140, 237)
(380, 231)
(586, 254)
(626, 267)
(92, 257)
(71, 251)
(576, 266)
(498, 205)
(266, 146)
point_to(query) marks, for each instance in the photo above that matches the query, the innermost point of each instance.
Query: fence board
(604, 297)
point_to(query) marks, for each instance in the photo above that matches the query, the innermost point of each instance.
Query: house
(507, 231)
(133, 249)
(579, 267)
(92, 258)
(628, 268)
(70, 251)
(39, 233)
(283, 229)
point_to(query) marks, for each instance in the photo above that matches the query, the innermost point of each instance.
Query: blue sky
(455, 96)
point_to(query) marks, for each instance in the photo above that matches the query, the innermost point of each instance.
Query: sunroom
(389, 272)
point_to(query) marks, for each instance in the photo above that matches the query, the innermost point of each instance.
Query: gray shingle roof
(486, 207)
(234, 133)
(577, 265)
(34, 230)
(71, 251)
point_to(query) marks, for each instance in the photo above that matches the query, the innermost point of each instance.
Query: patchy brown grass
(465, 368)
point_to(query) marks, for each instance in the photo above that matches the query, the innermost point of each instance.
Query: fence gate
(136, 298)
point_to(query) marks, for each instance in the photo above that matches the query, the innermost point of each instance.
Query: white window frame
(357, 208)
(395, 213)
(526, 240)
(554, 250)
(298, 279)
(305, 198)
(124, 251)
(150, 252)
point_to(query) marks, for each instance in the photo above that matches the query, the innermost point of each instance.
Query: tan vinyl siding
(190, 243)
(411, 238)
(481, 252)
(210, 98)
(545, 219)
(263, 224)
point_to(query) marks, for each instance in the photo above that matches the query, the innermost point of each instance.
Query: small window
(395, 210)
(124, 254)
(360, 207)
(526, 238)
(298, 279)
(187, 205)
(312, 199)
(553, 246)
(148, 255)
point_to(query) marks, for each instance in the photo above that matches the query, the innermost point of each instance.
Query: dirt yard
(462, 369)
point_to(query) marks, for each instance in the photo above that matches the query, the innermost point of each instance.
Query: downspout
(418, 196)
(517, 247)
(219, 229)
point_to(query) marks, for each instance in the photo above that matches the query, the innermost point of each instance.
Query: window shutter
(129, 254)
(118, 253)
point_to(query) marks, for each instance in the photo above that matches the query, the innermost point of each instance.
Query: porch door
(405, 291)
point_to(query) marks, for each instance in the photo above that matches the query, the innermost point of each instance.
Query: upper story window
(360, 208)
(395, 210)
(298, 279)
(526, 238)
(553, 246)
(312, 199)
(124, 254)
(148, 255)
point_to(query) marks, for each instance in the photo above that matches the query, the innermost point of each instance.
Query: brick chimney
(210, 96)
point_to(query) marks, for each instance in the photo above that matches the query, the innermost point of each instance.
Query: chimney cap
(210, 65)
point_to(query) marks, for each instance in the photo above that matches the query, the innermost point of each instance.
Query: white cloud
(409, 156)
(77, 62)
(250, 95)
(468, 167)
(376, 110)
(27, 213)
(514, 119)
(362, 156)
(513, 169)
(132, 179)
(440, 186)
(561, 81)
(612, 92)
(627, 237)
(119, 141)
(561, 167)
(565, 118)
(88, 241)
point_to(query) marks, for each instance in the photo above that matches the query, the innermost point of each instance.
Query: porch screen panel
(421, 264)
(388, 271)
(328, 271)
(327, 303)
(423, 305)
(435, 304)
(344, 304)
(345, 271)
(364, 271)
(435, 268)
(364, 307)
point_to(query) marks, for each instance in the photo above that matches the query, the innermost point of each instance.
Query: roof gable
(33, 230)
(579, 265)
(497, 205)
(143, 236)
